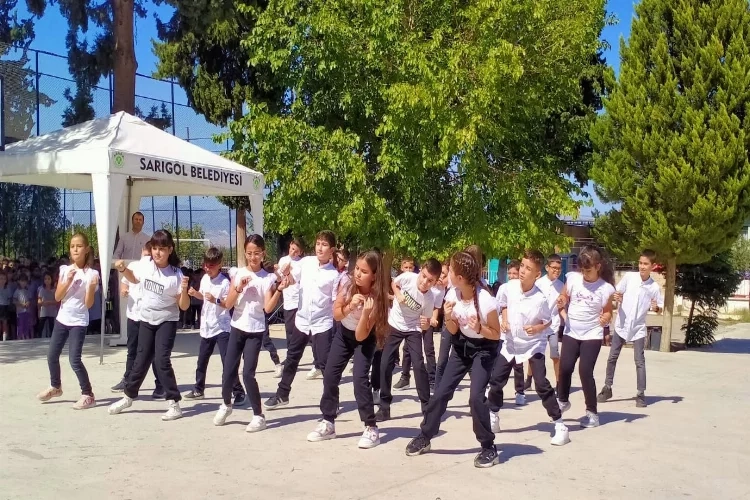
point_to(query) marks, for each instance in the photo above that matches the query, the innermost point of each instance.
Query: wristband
(218, 301)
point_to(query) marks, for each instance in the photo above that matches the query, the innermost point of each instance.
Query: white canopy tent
(120, 159)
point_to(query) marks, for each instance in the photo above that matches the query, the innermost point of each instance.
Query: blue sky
(50, 36)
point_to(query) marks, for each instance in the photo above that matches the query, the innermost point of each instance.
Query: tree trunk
(690, 316)
(124, 63)
(388, 262)
(241, 236)
(666, 334)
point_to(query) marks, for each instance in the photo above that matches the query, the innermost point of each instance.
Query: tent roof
(125, 144)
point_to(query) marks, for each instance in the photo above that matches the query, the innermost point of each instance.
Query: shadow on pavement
(726, 346)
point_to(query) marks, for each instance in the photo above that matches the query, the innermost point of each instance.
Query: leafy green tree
(420, 127)
(741, 255)
(708, 286)
(672, 147)
(200, 47)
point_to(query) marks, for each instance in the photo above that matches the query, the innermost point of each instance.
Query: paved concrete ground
(691, 441)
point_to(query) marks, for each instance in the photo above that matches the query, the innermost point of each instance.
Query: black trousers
(518, 379)
(77, 335)
(155, 343)
(297, 343)
(270, 347)
(444, 353)
(321, 346)
(133, 328)
(501, 374)
(375, 375)
(479, 357)
(343, 347)
(428, 343)
(588, 352)
(247, 345)
(289, 316)
(388, 363)
(205, 351)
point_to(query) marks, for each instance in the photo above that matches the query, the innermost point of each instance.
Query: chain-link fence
(35, 84)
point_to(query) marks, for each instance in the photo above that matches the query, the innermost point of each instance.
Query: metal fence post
(176, 225)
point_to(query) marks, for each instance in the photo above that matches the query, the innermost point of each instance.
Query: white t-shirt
(530, 308)
(587, 300)
(73, 310)
(636, 302)
(438, 295)
(290, 293)
(317, 292)
(465, 309)
(249, 314)
(214, 318)
(134, 291)
(552, 290)
(159, 291)
(405, 317)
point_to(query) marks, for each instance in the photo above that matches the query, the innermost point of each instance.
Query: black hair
(163, 239)
(298, 242)
(327, 236)
(213, 256)
(590, 256)
(137, 213)
(649, 254)
(433, 266)
(554, 258)
(514, 264)
(256, 240)
(534, 256)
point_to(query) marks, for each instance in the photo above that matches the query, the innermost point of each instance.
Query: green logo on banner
(256, 182)
(119, 159)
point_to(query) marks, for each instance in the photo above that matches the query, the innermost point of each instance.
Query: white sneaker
(376, 397)
(173, 411)
(370, 438)
(494, 422)
(278, 370)
(314, 373)
(520, 399)
(562, 436)
(590, 420)
(120, 405)
(351, 368)
(221, 416)
(258, 423)
(563, 406)
(325, 430)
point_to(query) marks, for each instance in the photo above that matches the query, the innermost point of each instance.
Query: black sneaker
(605, 395)
(275, 402)
(383, 414)
(119, 387)
(527, 384)
(193, 395)
(417, 446)
(487, 458)
(239, 400)
(640, 401)
(402, 384)
(159, 394)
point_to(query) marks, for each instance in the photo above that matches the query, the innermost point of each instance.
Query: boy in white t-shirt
(132, 291)
(409, 315)
(552, 287)
(518, 380)
(637, 294)
(526, 317)
(291, 293)
(215, 319)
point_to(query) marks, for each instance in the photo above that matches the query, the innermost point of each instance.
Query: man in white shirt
(526, 317)
(318, 279)
(130, 244)
(637, 294)
(409, 316)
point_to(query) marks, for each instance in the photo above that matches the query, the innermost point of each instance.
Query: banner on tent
(149, 166)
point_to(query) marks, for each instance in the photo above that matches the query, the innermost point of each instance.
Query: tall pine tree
(672, 148)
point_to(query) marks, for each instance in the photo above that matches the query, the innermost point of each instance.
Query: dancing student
(408, 316)
(518, 380)
(133, 314)
(317, 279)
(163, 293)
(428, 339)
(471, 317)
(290, 293)
(526, 318)
(637, 294)
(551, 286)
(588, 296)
(362, 308)
(75, 291)
(214, 327)
(254, 292)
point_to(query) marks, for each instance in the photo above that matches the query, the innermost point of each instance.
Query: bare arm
(492, 329)
(273, 295)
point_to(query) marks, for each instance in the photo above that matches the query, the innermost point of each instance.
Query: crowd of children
(362, 315)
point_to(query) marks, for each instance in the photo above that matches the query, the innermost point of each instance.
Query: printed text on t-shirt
(153, 286)
(411, 302)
